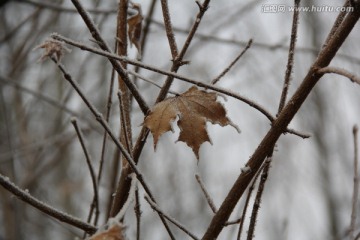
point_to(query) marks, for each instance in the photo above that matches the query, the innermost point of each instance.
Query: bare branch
(172, 220)
(48, 100)
(290, 63)
(137, 213)
(95, 203)
(337, 23)
(356, 185)
(202, 9)
(247, 201)
(207, 195)
(107, 116)
(257, 201)
(234, 222)
(45, 208)
(168, 28)
(149, 81)
(226, 70)
(340, 71)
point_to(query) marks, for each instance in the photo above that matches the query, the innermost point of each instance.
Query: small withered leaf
(194, 108)
(135, 27)
(53, 48)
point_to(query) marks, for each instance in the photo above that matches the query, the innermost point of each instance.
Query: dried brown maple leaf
(194, 107)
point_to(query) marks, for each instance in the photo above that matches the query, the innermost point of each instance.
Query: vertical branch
(137, 214)
(147, 25)
(121, 35)
(356, 184)
(257, 202)
(122, 191)
(287, 79)
(103, 147)
(290, 62)
(247, 201)
(169, 30)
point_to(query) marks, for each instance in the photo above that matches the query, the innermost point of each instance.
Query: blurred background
(309, 190)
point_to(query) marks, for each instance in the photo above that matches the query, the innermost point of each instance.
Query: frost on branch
(194, 108)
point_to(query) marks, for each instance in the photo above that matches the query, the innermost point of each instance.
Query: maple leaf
(194, 107)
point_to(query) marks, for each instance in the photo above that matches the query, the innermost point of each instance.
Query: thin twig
(107, 117)
(257, 202)
(103, 45)
(138, 76)
(234, 222)
(356, 184)
(47, 100)
(207, 195)
(95, 202)
(172, 220)
(147, 26)
(226, 70)
(137, 214)
(105, 125)
(45, 208)
(202, 9)
(290, 62)
(247, 201)
(352, 77)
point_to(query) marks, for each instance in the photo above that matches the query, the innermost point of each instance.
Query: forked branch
(281, 123)
(352, 77)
